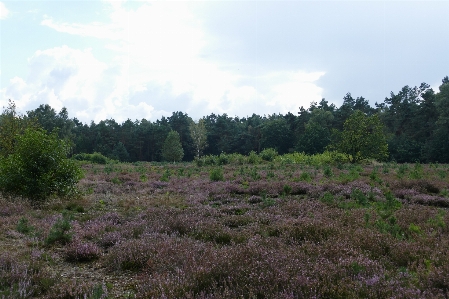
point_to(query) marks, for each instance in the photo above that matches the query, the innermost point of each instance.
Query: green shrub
(402, 170)
(268, 154)
(305, 176)
(59, 232)
(166, 175)
(199, 161)
(223, 159)
(287, 190)
(359, 197)
(210, 160)
(96, 158)
(253, 158)
(23, 226)
(374, 176)
(328, 171)
(417, 172)
(415, 229)
(216, 175)
(254, 174)
(327, 198)
(438, 220)
(390, 226)
(39, 168)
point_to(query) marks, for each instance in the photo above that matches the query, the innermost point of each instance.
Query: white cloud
(96, 29)
(4, 12)
(156, 44)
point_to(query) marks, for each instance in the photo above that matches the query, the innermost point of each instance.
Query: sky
(146, 59)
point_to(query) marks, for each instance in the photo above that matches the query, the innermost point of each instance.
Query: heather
(234, 226)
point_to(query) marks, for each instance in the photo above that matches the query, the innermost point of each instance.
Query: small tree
(198, 133)
(38, 167)
(120, 153)
(12, 124)
(172, 148)
(362, 138)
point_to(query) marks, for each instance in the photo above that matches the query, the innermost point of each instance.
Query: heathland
(233, 226)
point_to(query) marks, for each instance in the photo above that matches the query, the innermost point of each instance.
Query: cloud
(4, 12)
(158, 66)
(96, 29)
(66, 77)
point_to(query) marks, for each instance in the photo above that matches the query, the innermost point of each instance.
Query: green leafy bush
(96, 158)
(223, 159)
(268, 154)
(210, 160)
(253, 158)
(216, 175)
(39, 168)
(23, 226)
(328, 171)
(59, 232)
(305, 176)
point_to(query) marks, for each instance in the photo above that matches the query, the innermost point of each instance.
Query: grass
(289, 227)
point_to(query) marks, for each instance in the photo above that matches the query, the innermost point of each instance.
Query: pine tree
(172, 148)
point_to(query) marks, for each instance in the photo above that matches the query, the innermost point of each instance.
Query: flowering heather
(266, 230)
(78, 251)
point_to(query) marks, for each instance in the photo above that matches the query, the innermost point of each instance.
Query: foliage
(317, 132)
(120, 153)
(172, 148)
(198, 238)
(275, 134)
(268, 154)
(12, 125)
(51, 121)
(39, 168)
(362, 138)
(253, 158)
(198, 133)
(414, 118)
(96, 158)
(23, 226)
(59, 232)
(326, 158)
(216, 174)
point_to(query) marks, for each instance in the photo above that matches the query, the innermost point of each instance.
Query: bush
(253, 158)
(39, 168)
(82, 252)
(223, 159)
(328, 171)
(59, 232)
(210, 160)
(268, 154)
(23, 226)
(96, 158)
(216, 175)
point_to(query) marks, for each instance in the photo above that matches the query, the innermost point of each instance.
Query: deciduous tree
(198, 133)
(362, 138)
(38, 167)
(12, 124)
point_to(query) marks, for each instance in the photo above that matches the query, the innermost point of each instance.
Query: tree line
(415, 125)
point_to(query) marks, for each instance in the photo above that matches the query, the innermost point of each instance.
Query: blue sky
(145, 59)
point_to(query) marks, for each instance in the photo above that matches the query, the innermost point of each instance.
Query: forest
(270, 207)
(415, 120)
